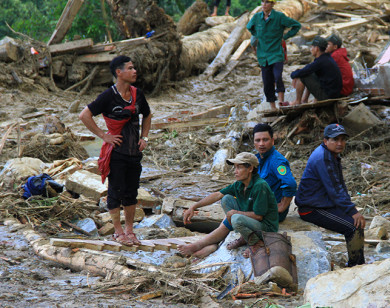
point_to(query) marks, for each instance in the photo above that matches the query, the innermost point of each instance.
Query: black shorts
(312, 83)
(123, 180)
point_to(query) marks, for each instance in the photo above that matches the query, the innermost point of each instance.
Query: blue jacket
(322, 184)
(274, 168)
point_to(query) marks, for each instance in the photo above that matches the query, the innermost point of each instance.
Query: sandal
(284, 104)
(236, 243)
(133, 238)
(122, 239)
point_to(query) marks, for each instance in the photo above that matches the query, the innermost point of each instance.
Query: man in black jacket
(322, 77)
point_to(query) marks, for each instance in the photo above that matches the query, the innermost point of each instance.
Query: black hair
(118, 62)
(322, 49)
(246, 165)
(263, 127)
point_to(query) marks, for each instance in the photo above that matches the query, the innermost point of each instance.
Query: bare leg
(305, 97)
(210, 239)
(215, 11)
(227, 11)
(281, 97)
(273, 106)
(300, 87)
(205, 251)
(129, 221)
(116, 220)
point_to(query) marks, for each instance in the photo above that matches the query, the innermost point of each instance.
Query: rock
(74, 106)
(379, 221)
(175, 262)
(53, 125)
(360, 286)
(162, 221)
(18, 170)
(382, 247)
(312, 257)
(86, 183)
(146, 200)
(107, 229)
(88, 225)
(377, 233)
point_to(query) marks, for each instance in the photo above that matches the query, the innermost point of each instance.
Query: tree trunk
(193, 18)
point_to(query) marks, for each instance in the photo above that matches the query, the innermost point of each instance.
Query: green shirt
(269, 35)
(257, 198)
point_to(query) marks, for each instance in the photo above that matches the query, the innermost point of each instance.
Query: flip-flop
(133, 238)
(284, 104)
(236, 243)
(122, 239)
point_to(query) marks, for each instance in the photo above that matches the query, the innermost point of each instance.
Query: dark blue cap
(334, 130)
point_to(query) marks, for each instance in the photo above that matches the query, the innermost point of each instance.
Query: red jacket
(340, 56)
(114, 128)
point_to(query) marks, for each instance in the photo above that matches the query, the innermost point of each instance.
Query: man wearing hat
(322, 196)
(249, 205)
(322, 77)
(267, 29)
(340, 56)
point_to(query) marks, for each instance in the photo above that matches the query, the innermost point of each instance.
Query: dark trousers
(336, 220)
(123, 180)
(216, 2)
(272, 74)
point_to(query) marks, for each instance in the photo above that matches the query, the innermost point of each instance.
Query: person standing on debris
(249, 205)
(322, 77)
(216, 4)
(121, 153)
(322, 196)
(274, 168)
(340, 56)
(267, 29)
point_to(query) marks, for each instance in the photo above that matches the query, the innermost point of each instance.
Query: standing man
(121, 153)
(340, 56)
(322, 196)
(274, 168)
(268, 27)
(249, 205)
(216, 3)
(322, 77)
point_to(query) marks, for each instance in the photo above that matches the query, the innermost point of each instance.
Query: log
(102, 57)
(192, 18)
(71, 46)
(343, 4)
(65, 21)
(366, 6)
(227, 48)
(8, 52)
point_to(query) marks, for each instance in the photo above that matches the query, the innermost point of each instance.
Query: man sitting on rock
(321, 78)
(322, 196)
(250, 208)
(274, 168)
(340, 56)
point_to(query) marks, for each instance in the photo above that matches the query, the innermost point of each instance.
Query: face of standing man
(267, 6)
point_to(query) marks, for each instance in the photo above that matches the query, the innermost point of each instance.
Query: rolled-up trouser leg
(228, 203)
(249, 228)
(355, 248)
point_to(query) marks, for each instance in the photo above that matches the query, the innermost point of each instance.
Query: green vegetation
(38, 18)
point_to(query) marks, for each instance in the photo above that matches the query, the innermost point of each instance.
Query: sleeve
(307, 70)
(251, 26)
(143, 104)
(290, 23)
(229, 190)
(283, 172)
(99, 105)
(337, 196)
(262, 199)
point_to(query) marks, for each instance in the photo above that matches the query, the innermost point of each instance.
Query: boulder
(377, 233)
(360, 286)
(379, 221)
(161, 221)
(86, 183)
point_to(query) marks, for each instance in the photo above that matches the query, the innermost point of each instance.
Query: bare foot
(236, 243)
(205, 251)
(212, 15)
(295, 103)
(189, 249)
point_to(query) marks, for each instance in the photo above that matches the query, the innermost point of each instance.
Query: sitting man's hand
(230, 214)
(359, 221)
(187, 215)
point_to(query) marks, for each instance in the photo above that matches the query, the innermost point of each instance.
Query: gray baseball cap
(244, 158)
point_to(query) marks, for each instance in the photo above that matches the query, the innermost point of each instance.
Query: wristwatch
(145, 138)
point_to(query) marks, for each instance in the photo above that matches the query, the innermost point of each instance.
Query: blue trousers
(272, 74)
(249, 228)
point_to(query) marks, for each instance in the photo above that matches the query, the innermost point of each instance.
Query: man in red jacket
(340, 56)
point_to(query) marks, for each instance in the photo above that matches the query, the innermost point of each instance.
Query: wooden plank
(309, 35)
(33, 115)
(65, 21)
(240, 50)
(212, 112)
(75, 243)
(71, 46)
(366, 6)
(97, 57)
(342, 25)
(342, 4)
(161, 244)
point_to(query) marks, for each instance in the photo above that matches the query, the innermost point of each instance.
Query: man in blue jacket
(274, 168)
(322, 77)
(322, 196)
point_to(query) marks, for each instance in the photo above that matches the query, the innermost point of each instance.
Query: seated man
(340, 56)
(274, 168)
(322, 77)
(250, 208)
(322, 196)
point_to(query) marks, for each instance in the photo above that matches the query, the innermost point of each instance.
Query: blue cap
(334, 130)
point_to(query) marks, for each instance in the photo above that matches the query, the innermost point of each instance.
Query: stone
(377, 233)
(146, 200)
(107, 229)
(311, 255)
(162, 221)
(88, 225)
(379, 221)
(383, 247)
(360, 286)
(360, 118)
(86, 183)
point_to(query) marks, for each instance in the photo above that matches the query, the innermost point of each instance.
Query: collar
(251, 183)
(269, 16)
(267, 154)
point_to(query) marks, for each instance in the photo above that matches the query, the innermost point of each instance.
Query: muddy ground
(26, 280)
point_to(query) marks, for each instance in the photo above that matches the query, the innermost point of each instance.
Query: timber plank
(342, 4)
(75, 243)
(70, 46)
(102, 57)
